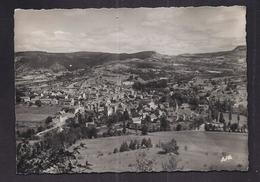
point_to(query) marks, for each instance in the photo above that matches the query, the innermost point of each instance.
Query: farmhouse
(25, 99)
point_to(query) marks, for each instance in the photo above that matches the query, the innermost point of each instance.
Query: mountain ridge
(35, 60)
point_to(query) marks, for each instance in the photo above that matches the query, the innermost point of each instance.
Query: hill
(35, 60)
(197, 155)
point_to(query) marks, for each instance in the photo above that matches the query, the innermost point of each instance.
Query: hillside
(197, 156)
(35, 60)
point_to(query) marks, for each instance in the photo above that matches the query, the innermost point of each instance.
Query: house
(128, 83)
(184, 106)
(153, 117)
(64, 102)
(137, 120)
(152, 105)
(25, 99)
(46, 100)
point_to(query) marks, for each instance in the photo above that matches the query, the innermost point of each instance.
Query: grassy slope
(32, 117)
(204, 152)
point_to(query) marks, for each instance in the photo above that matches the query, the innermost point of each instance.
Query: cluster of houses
(106, 97)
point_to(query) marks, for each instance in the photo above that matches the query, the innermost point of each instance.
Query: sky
(170, 31)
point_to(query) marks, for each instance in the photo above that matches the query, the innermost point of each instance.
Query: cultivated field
(198, 151)
(32, 117)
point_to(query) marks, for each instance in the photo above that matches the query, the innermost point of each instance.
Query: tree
(124, 127)
(210, 115)
(38, 103)
(80, 118)
(115, 151)
(149, 143)
(179, 127)
(234, 127)
(125, 115)
(144, 143)
(39, 129)
(132, 145)
(238, 119)
(164, 124)
(124, 147)
(221, 118)
(230, 116)
(48, 120)
(144, 129)
(40, 157)
(92, 132)
(28, 133)
(170, 147)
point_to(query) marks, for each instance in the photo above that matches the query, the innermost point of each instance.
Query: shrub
(82, 144)
(132, 145)
(89, 132)
(149, 143)
(40, 157)
(143, 164)
(40, 129)
(28, 133)
(124, 147)
(144, 129)
(38, 103)
(115, 150)
(137, 144)
(144, 143)
(239, 166)
(18, 134)
(48, 120)
(179, 127)
(234, 127)
(171, 165)
(170, 147)
(164, 124)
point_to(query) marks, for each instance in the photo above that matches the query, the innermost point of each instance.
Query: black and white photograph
(131, 90)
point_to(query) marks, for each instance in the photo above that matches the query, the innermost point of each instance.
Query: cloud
(165, 30)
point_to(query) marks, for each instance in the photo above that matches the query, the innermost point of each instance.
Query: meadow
(198, 151)
(33, 116)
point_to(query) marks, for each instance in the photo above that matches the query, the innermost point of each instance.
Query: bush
(137, 144)
(179, 127)
(115, 151)
(171, 165)
(29, 133)
(144, 142)
(143, 164)
(170, 147)
(40, 129)
(48, 120)
(164, 124)
(38, 103)
(234, 127)
(40, 158)
(144, 129)
(149, 143)
(132, 145)
(91, 132)
(124, 147)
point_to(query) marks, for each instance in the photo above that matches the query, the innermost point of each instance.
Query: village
(161, 104)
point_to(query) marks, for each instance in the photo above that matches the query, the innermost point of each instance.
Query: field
(198, 151)
(32, 117)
